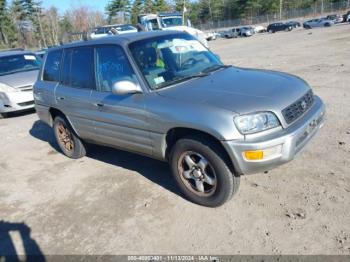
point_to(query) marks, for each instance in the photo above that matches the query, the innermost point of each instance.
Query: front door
(120, 120)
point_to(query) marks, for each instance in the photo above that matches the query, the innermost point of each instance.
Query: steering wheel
(188, 63)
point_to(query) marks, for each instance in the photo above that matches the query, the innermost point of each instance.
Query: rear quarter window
(52, 66)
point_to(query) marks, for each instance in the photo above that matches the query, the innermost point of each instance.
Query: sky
(64, 5)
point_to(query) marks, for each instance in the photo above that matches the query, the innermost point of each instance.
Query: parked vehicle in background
(294, 24)
(170, 21)
(275, 27)
(211, 36)
(246, 31)
(319, 22)
(231, 33)
(335, 18)
(176, 101)
(18, 73)
(259, 29)
(108, 30)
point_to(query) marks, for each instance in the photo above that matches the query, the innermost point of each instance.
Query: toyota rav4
(164, 95)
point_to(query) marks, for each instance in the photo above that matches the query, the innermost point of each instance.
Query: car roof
(122, 39)
(14, 52)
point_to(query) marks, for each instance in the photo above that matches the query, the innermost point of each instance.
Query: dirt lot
(112, 202)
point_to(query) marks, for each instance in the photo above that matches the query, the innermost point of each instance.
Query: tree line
(25, 23)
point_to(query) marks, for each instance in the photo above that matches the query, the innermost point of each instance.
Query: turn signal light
(254, 155)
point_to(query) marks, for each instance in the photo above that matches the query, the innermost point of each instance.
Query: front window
(170, 59)
(172, 21)
(112, 66)
(18, 63)
(125, 28)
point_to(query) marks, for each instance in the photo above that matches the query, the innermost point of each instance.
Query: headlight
(7, 89)
(253, 123)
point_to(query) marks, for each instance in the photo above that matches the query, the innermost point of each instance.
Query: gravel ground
(112, 202)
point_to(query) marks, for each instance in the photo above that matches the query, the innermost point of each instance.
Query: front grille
(299, 107)
(26, 88)
(26, 103)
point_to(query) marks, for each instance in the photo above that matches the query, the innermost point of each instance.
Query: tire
(327, 24)
(73, 146)
(223, 181)
(4, 115)
(271, 31)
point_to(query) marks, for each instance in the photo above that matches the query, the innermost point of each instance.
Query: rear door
(120, 120)
(74, 90)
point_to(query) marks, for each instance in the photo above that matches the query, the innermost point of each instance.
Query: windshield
(18, 63)
(171, 21)
(170, 59)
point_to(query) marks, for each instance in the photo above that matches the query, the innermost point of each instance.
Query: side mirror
(125, 87)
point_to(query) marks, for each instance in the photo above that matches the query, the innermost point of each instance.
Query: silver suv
(164, 95)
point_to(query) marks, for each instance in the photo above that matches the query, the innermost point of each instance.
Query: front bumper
(16, 101)
(289, 141)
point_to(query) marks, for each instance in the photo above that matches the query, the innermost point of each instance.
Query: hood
(241, 90)
(20, 79)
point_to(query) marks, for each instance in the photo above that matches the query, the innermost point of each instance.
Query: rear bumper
(285, 143)
(16, 101)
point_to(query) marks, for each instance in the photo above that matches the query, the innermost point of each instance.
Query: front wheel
(202, 173)
(70, 144)
(4, 115)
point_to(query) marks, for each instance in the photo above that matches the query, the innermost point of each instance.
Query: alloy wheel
(65, 137)
(197, 173)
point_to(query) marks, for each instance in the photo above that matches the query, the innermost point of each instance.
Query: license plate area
(309, 130)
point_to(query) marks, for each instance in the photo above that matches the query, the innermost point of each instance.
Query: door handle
(99, 104)
(60, 98)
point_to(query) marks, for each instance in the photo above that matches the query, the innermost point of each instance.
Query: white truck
(170, 21)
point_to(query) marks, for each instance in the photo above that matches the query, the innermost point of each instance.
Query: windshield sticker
(166, 44)
(29, 57)
(184, 46)
(195, 45)
(159, 80)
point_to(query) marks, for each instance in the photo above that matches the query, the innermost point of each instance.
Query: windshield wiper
(214, 68)
(182, 79)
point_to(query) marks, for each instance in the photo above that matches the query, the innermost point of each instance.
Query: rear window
(78, 69)
(52, 66)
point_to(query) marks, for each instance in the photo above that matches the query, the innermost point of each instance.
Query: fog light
(254, 155)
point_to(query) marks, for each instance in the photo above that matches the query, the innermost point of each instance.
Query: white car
(112, 30)
(259, 29)
(18, 73)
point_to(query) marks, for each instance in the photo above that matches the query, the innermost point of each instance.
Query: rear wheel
(202, 172)
(327, 24)
(69, 143)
